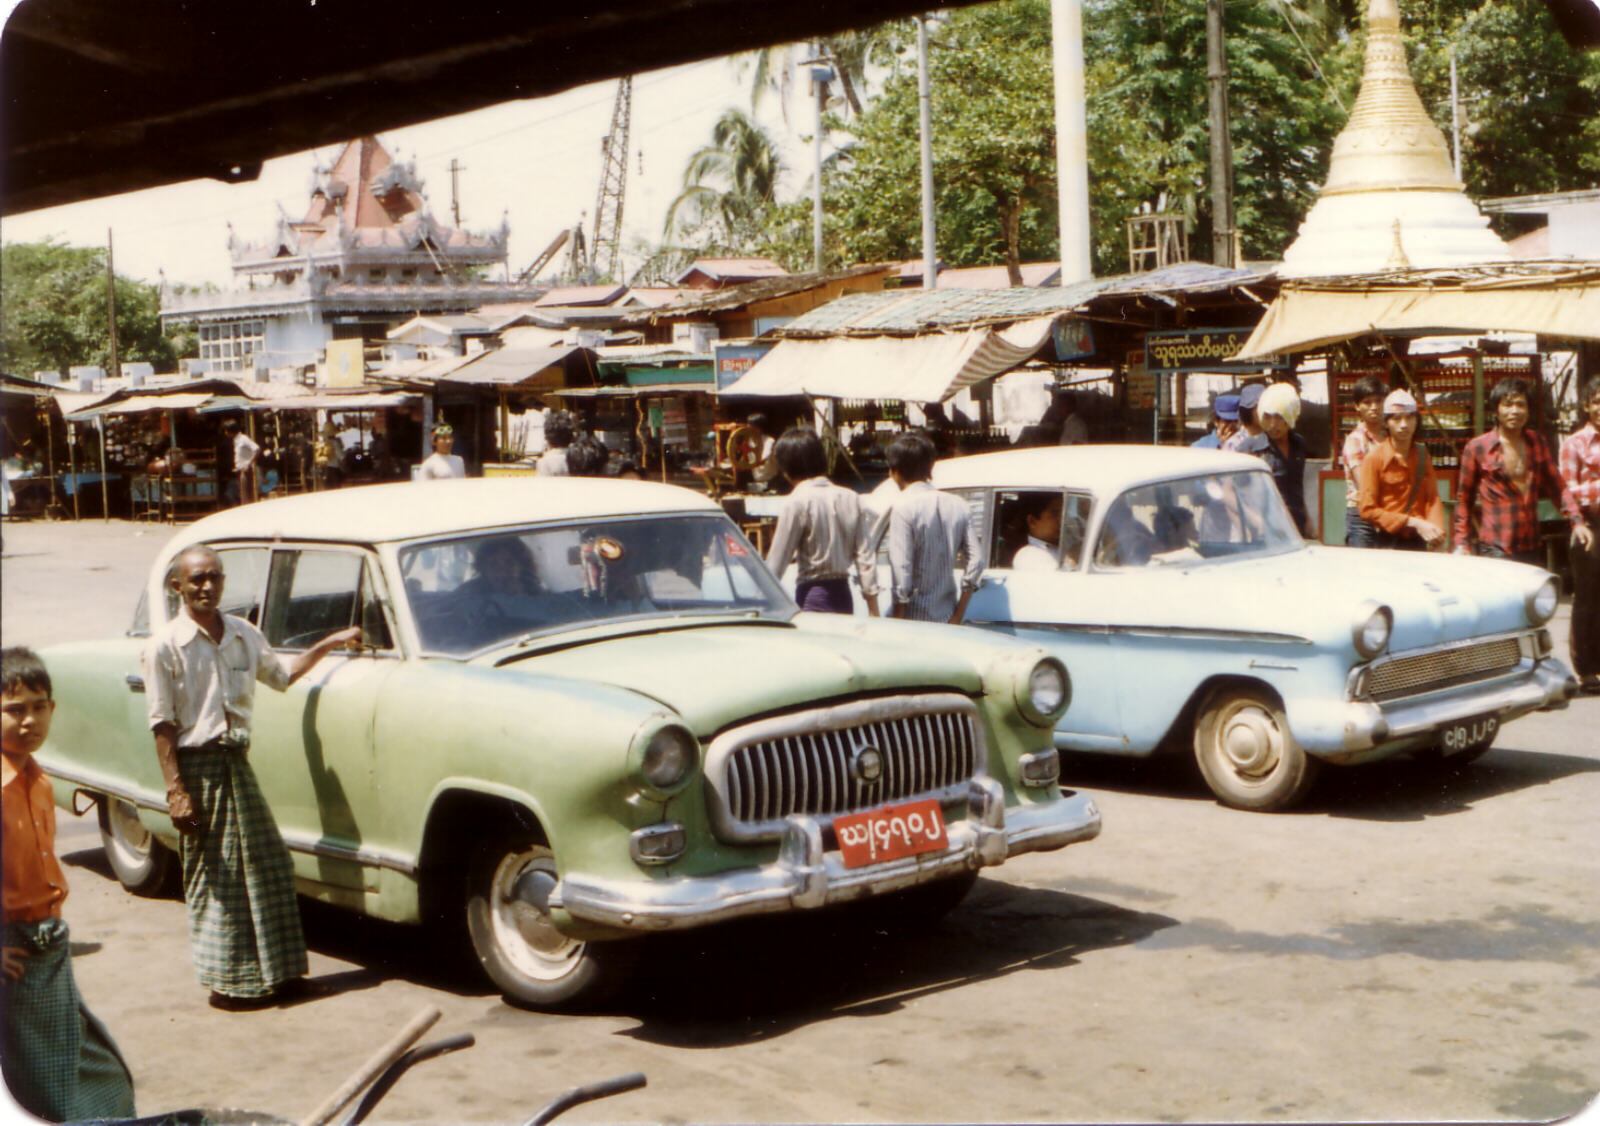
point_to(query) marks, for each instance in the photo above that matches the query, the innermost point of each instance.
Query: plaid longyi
(238, 880)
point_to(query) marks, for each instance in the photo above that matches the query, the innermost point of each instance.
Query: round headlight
(1048, 689)
(1542, 602)
(1370, 632)
(668, 757)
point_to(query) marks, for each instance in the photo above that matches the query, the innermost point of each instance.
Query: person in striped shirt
(1580, 472)
(1368, 394)
(930, 534)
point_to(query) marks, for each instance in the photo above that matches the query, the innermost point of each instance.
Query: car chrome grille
(803, 762)
(1414, 674)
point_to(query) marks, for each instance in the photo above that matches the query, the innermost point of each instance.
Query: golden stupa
(1391, 195)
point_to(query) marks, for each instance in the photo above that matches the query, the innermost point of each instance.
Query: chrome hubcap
(520, 918)
(126, 829)
(1251, 741)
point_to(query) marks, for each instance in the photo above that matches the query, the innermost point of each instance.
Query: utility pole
(116, 370)
(1072, 140)
(111, 305)
(819, 82)
(456, 169)
(1455, 112)
(930, 258)
(1222, 232)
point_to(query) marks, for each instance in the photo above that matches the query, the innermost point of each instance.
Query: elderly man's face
(199, 582)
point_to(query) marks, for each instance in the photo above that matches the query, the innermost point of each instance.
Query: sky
(536, 161)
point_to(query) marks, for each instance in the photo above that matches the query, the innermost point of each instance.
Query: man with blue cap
(1248, 426)
(1224, 421)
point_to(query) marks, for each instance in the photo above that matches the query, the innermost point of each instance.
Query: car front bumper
(1373, 730)
(806, 876)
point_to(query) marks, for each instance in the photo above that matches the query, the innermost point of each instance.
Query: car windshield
(1193, 519)
(468, 595)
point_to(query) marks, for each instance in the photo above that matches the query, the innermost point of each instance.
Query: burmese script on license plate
(1460, 736)
(890, 832)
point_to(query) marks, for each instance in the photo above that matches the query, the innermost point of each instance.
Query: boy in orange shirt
(59, 1061)
(1398, 490)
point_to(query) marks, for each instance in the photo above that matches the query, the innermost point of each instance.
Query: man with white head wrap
(1282, 448)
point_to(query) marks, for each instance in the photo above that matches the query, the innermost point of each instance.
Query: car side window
(313, 592)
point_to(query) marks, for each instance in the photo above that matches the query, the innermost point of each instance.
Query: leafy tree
(1531, 104)
(728, 183)
(53, 311)
(993, 147)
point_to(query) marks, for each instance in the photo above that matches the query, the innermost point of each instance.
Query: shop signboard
(1203, 350)
(1074, 338)
(1141, 382)
(733, 360)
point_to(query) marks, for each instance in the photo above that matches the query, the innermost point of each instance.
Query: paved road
(1416, 944)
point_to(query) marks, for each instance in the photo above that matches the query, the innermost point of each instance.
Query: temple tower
(1391, 198)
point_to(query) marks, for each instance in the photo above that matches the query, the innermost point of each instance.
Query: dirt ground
(1417, 944)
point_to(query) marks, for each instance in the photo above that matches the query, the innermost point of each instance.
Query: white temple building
(1392, 199)
(367, 256)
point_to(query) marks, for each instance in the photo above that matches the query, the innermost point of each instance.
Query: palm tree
(727, 183)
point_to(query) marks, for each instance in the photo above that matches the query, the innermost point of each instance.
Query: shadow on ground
(1414, 789)
(1402, 788)
(384, 951)
(759, 979)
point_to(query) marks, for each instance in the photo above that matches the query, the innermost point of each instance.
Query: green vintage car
(584, 711)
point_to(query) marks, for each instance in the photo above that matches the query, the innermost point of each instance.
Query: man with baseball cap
(1397, 490)
(1224, 421)
(1248, 426)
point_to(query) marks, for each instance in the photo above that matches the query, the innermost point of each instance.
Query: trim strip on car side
(1196, 633)
(370, 858)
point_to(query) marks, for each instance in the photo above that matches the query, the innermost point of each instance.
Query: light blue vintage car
(1191, 615)
(584, 712)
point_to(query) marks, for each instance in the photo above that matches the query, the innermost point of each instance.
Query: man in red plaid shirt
(1503, 474)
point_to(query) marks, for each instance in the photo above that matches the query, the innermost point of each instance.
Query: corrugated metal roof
(906, 312)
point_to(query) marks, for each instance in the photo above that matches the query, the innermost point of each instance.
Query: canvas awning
(927, 368)
(141, 404)
(1303, 318)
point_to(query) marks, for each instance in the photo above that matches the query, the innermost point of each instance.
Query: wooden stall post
(105, 484)
(72, 466)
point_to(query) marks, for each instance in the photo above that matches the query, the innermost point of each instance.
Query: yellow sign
(345, 365)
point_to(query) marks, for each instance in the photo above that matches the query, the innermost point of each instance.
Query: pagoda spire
(1390, 181)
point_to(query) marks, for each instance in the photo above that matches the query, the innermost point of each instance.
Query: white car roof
(1104, 470)
(385, 513)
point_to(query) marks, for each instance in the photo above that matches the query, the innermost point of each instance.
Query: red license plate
(890, 833)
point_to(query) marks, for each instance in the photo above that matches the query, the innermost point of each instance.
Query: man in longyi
(200, 671)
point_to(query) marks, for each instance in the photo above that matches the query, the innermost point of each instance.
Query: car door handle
(134, 681)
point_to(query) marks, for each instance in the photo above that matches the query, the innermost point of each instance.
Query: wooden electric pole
(1222, 229)
(456, 169)
(111, 306)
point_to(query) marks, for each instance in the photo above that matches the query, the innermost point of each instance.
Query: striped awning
(927, 368)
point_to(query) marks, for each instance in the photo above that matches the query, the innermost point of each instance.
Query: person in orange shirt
(1398, 491)
(60, 1063)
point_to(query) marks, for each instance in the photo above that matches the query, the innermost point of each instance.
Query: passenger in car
(1041, 512)
(503, 565)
